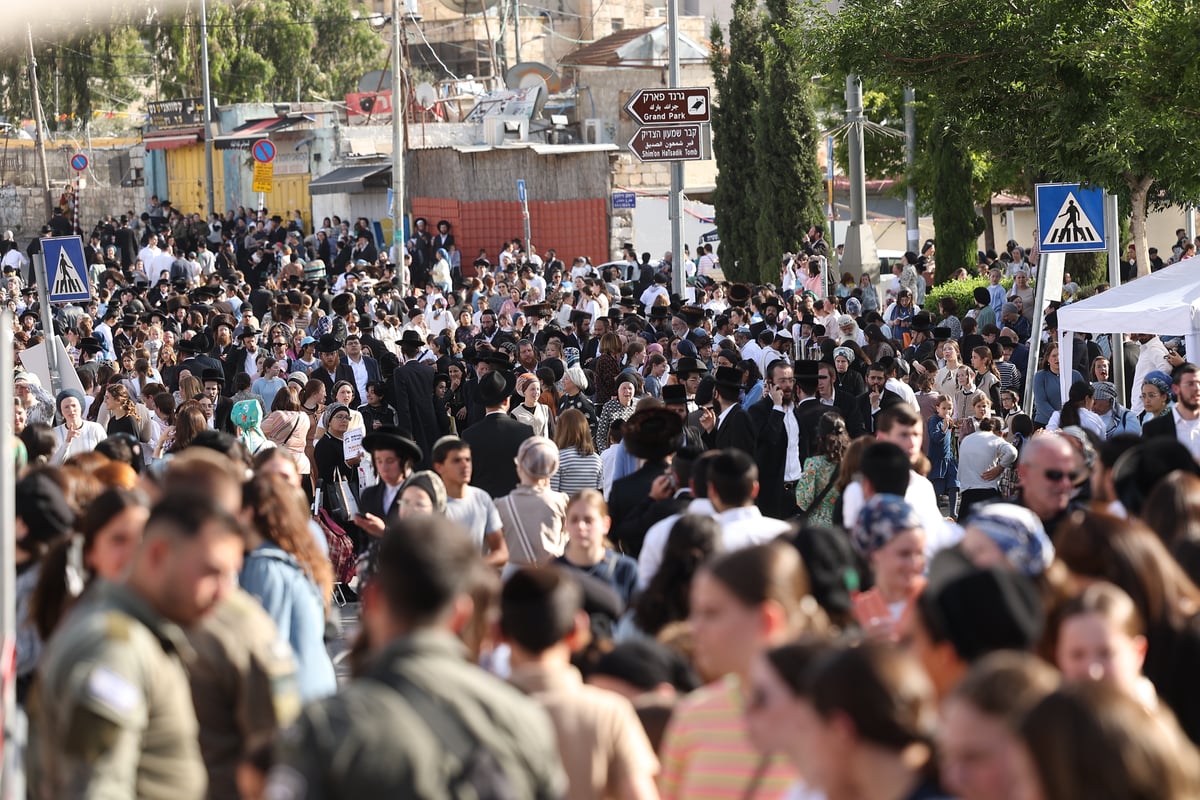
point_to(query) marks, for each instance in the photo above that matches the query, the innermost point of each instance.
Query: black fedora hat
(727, 376)
(739, 294)
(328, 343)
(90, 344)
(659, 312)
(390, 438)
(249, 332)
(689, 365)
(922, 322)
(495, 387)
(674, 394)
(653, 433)
(214, 375)
(411, 337)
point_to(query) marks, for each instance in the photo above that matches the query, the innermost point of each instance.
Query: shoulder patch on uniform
(285, 783)
(112, 690)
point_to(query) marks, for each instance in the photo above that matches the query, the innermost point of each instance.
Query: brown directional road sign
(667, 143)
(669, 106)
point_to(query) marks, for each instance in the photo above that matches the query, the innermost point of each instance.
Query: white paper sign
(352, 443)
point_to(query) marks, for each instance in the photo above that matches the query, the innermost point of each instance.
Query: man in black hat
(412, 386)
(89, 348)
(769, 309)
(922, 346)
(689, 372)
(244, 357)
(331, 368)
(213, 381)
(496, 438)
(727, 424)
(656, 435)
(392, 456)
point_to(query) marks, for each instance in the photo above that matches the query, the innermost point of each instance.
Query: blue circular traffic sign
(79, 162)
(264, 151)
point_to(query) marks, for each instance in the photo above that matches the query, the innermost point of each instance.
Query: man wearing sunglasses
(1049, 470)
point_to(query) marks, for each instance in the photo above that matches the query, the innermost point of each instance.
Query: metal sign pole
(8, 567)
(1035, 336)
(1116, 339)
(43, 283)
(675, 204)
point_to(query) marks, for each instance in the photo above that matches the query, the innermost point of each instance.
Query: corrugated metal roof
(639, 47)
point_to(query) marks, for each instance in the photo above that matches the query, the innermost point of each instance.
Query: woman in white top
(533, 413)
(1078, 411)
(76, 434)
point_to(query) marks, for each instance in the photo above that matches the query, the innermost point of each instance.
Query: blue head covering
(1159, 380)
(883, 518)
(1018, 533)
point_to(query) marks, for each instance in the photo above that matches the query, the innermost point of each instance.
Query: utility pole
(517, 31)
(860, 256)
(675, 206)
(911, 225)
(398, 147)
(208, 128)
(40, 122)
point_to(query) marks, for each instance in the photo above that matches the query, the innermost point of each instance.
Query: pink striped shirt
(706, 754)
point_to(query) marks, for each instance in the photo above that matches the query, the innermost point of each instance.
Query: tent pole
(1117, 340)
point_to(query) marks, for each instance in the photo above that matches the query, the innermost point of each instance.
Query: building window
(618, 24)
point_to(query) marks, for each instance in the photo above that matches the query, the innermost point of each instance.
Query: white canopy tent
(1166, 302)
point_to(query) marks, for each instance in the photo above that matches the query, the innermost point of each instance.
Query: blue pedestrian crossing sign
(66, 269)
(1070, 219)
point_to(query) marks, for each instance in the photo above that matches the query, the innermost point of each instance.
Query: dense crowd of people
(796, 540)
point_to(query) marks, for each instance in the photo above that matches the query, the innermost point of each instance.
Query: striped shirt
(576, 472)
(706, 754)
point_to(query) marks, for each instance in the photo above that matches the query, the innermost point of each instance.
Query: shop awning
(170, 139)
(242, 137)
(352, 180)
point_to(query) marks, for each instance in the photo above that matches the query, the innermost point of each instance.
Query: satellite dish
(469, 6)
(522, 76)
(377, 80)
(426, 96)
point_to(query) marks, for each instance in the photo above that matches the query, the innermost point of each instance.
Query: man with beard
(1183, 422)
(770, 309)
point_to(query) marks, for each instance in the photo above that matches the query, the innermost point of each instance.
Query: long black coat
(412, 384)
(494, 442)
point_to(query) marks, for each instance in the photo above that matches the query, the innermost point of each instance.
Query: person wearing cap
(469, 505)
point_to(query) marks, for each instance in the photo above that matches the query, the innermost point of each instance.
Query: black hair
(886, 467)
(421, 565)
(732, 475)
(538, 607)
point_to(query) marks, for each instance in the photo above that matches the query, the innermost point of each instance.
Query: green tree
(736, 77)
(1070, 90)
(84, 71)
(954, 218)
(785, 147)
(346, 49)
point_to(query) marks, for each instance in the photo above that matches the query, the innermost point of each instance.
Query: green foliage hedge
(963, 291)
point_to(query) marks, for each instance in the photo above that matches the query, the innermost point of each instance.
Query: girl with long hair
(290, 576)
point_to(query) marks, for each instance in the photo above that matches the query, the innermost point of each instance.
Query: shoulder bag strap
(530, 557)
(821, 496)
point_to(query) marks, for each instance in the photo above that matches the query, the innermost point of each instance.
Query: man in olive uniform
(113, 711)
(422, 721)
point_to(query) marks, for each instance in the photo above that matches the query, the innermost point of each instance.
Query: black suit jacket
(809, 414)
(494, 442)
(222, 414)
(736, 430)
(845, 404)
(412, 384)
(1160, 426)
(235, 362)
(342, 373)
(862, 404)
(770, 454)
(628, 492)
(371, 502)
(628, 537)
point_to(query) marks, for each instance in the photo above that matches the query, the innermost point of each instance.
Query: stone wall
(113, 182)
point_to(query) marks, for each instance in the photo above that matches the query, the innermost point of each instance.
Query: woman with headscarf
(247, 417)
(890, 537)
(530, 410)
(533, 514)
(75, 434)
(847, 380)
(329, 453)
(422, 493)
(1156, 396)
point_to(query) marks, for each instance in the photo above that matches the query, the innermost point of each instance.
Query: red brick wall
(571, 227)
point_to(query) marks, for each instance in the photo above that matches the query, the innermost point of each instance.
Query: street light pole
(208, 131)
(675, 204)
(398, 147)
